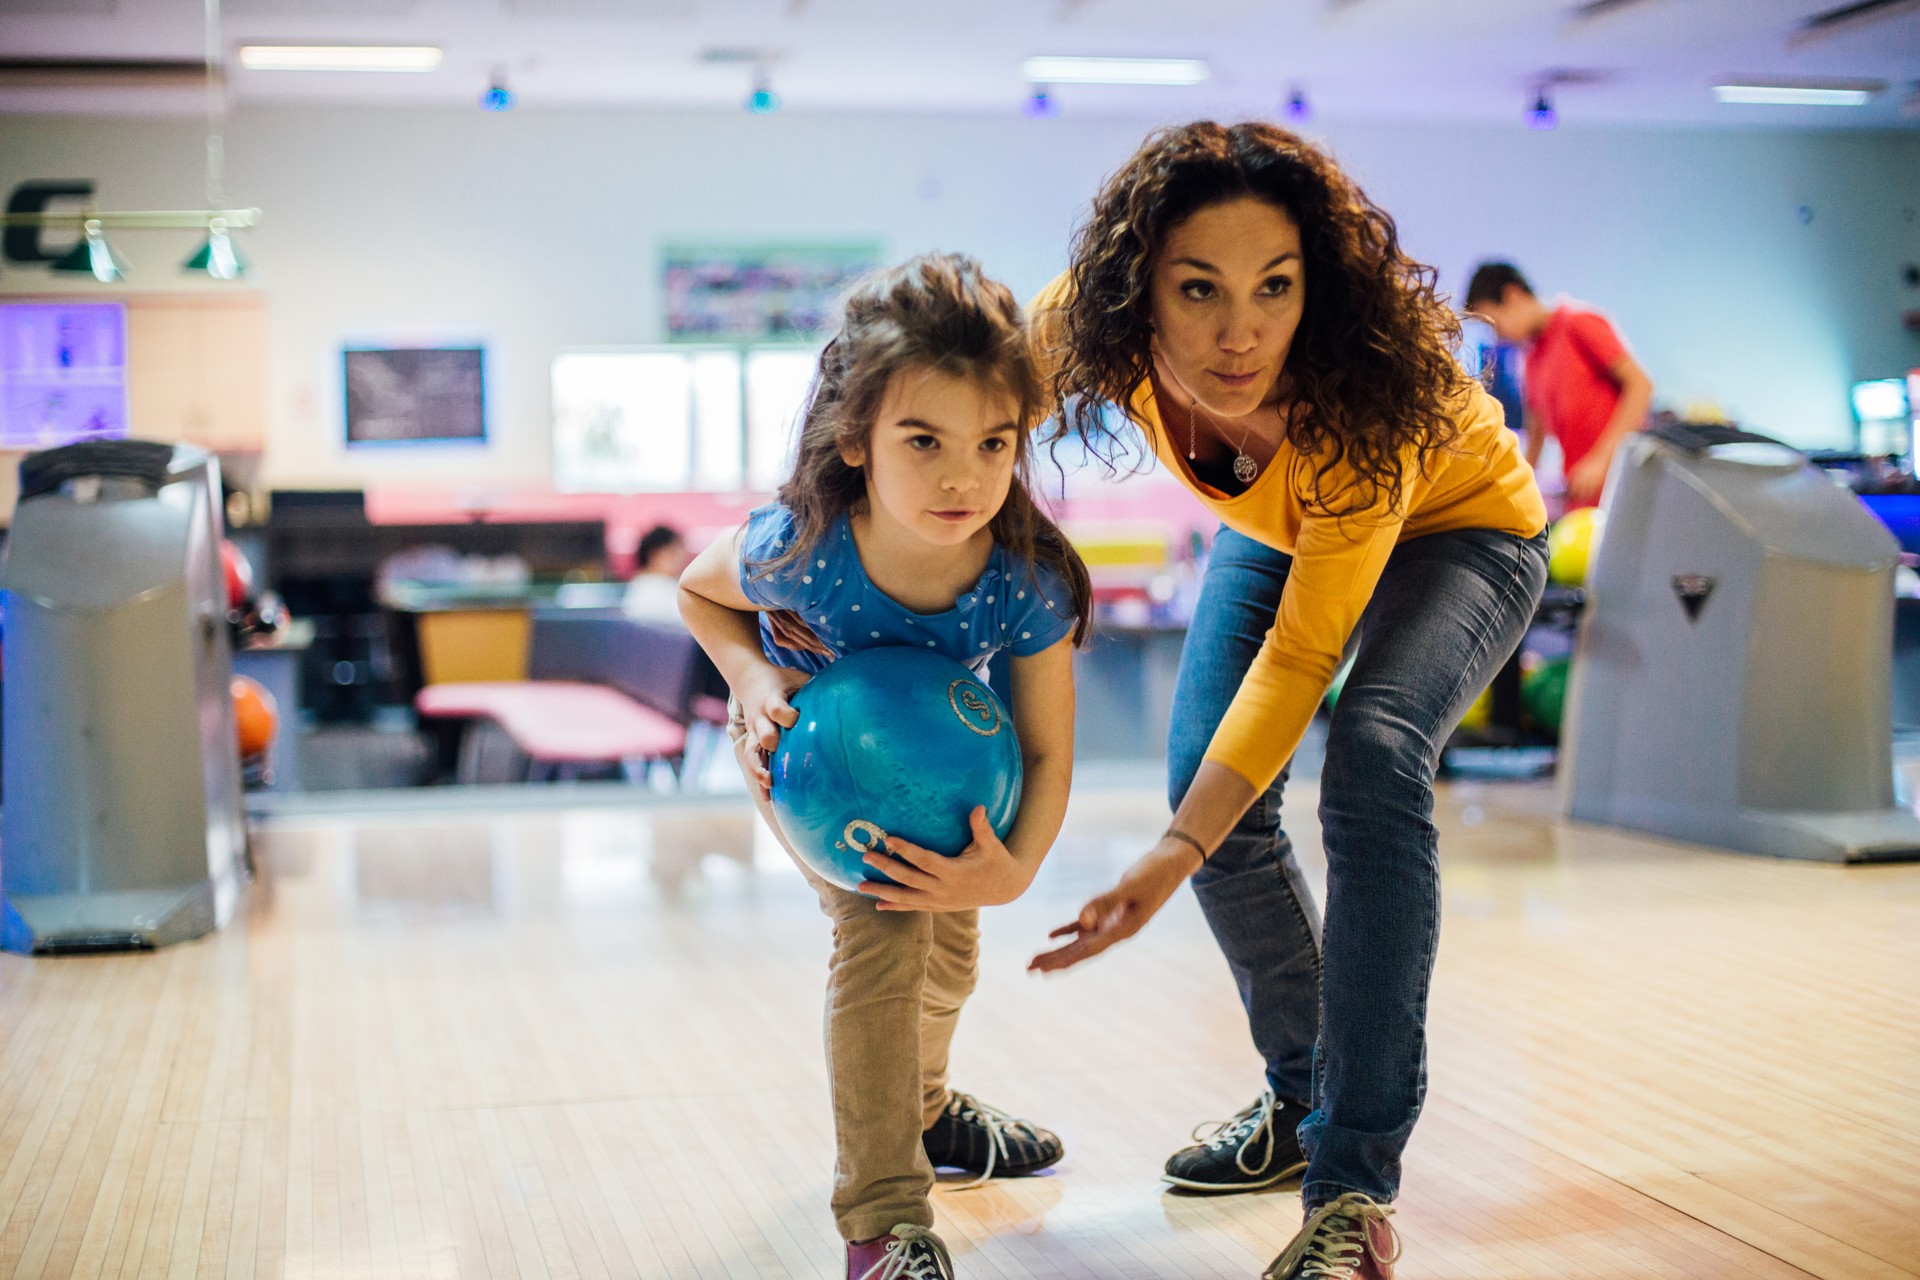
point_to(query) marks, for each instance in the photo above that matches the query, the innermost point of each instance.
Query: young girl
(907, 521)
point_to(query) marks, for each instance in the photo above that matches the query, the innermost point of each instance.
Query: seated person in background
(654, 593)
(1581, 385)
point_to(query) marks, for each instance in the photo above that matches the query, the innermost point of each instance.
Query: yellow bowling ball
(1480, 713)
(1571, 544)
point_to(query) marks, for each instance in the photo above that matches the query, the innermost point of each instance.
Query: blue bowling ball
(892, 742)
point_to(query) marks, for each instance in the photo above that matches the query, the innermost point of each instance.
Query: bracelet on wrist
(1184, 838)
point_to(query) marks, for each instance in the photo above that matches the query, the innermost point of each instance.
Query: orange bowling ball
(256, 714)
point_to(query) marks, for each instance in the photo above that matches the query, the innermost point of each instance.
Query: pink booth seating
(603, 689)
(558, 724)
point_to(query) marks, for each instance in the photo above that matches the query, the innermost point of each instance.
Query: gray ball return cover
(122, 824)
(1732, 684)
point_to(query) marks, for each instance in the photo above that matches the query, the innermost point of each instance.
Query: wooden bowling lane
(586, 1043)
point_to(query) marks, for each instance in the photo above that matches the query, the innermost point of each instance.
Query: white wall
(539, 230)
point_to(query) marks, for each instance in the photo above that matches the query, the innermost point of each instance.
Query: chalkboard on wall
(415, 395)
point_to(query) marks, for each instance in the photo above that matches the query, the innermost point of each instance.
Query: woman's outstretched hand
(1121, 911)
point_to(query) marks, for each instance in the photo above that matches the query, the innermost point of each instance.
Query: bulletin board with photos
(786, 292)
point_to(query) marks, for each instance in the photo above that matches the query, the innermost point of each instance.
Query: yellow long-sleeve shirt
(1480, 481)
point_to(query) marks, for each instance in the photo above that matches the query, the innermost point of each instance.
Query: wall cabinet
(197, 369)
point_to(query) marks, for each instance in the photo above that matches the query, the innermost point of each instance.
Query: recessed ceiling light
(763, 100)
(497, 97)
(1796, 95)
(1166, 71)
(339, 57)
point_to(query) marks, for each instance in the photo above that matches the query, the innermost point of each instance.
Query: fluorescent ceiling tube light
(1791, 95)
(339, 57)
(1175, 71)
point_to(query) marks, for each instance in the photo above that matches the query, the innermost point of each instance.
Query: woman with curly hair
(1253, 316)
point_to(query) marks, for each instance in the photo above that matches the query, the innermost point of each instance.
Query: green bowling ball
(1543, 694)
(1338, 684)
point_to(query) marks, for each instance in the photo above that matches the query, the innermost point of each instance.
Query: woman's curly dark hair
(1371, 365)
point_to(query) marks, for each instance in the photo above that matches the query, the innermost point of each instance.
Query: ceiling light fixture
(1153, 71)
(1040, 104)
(497, 97)
(1298, 109)
(132, 220)
(1541, 114)
(216, 257)
(763, 100)
(340, 57)
(1797, 94)
(93, 255)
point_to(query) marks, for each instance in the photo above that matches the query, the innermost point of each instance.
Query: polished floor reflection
(489, 1042)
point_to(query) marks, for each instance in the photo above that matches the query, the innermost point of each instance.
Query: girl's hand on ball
(767, 711)
(984, 874)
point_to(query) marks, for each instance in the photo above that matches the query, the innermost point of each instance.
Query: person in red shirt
(1581, 385)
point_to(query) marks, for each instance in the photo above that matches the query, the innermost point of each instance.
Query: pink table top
(560, 720)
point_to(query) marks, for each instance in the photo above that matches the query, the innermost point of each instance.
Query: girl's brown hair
(1371, 365)
(938, 312)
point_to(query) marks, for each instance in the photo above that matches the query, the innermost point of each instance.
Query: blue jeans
(1340, 1017)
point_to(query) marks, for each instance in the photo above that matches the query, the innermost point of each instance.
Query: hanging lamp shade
(216, 256)
(94, 256)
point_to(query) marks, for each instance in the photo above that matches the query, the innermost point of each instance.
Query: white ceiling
(1651, 61)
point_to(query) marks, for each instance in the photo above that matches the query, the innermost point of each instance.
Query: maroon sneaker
(1348, 1238)
(905, 1253)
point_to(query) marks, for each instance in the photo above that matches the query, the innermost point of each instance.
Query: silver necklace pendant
(1244, 468)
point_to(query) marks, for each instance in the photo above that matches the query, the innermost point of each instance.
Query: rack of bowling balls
(1525, 706)
(256, 715)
